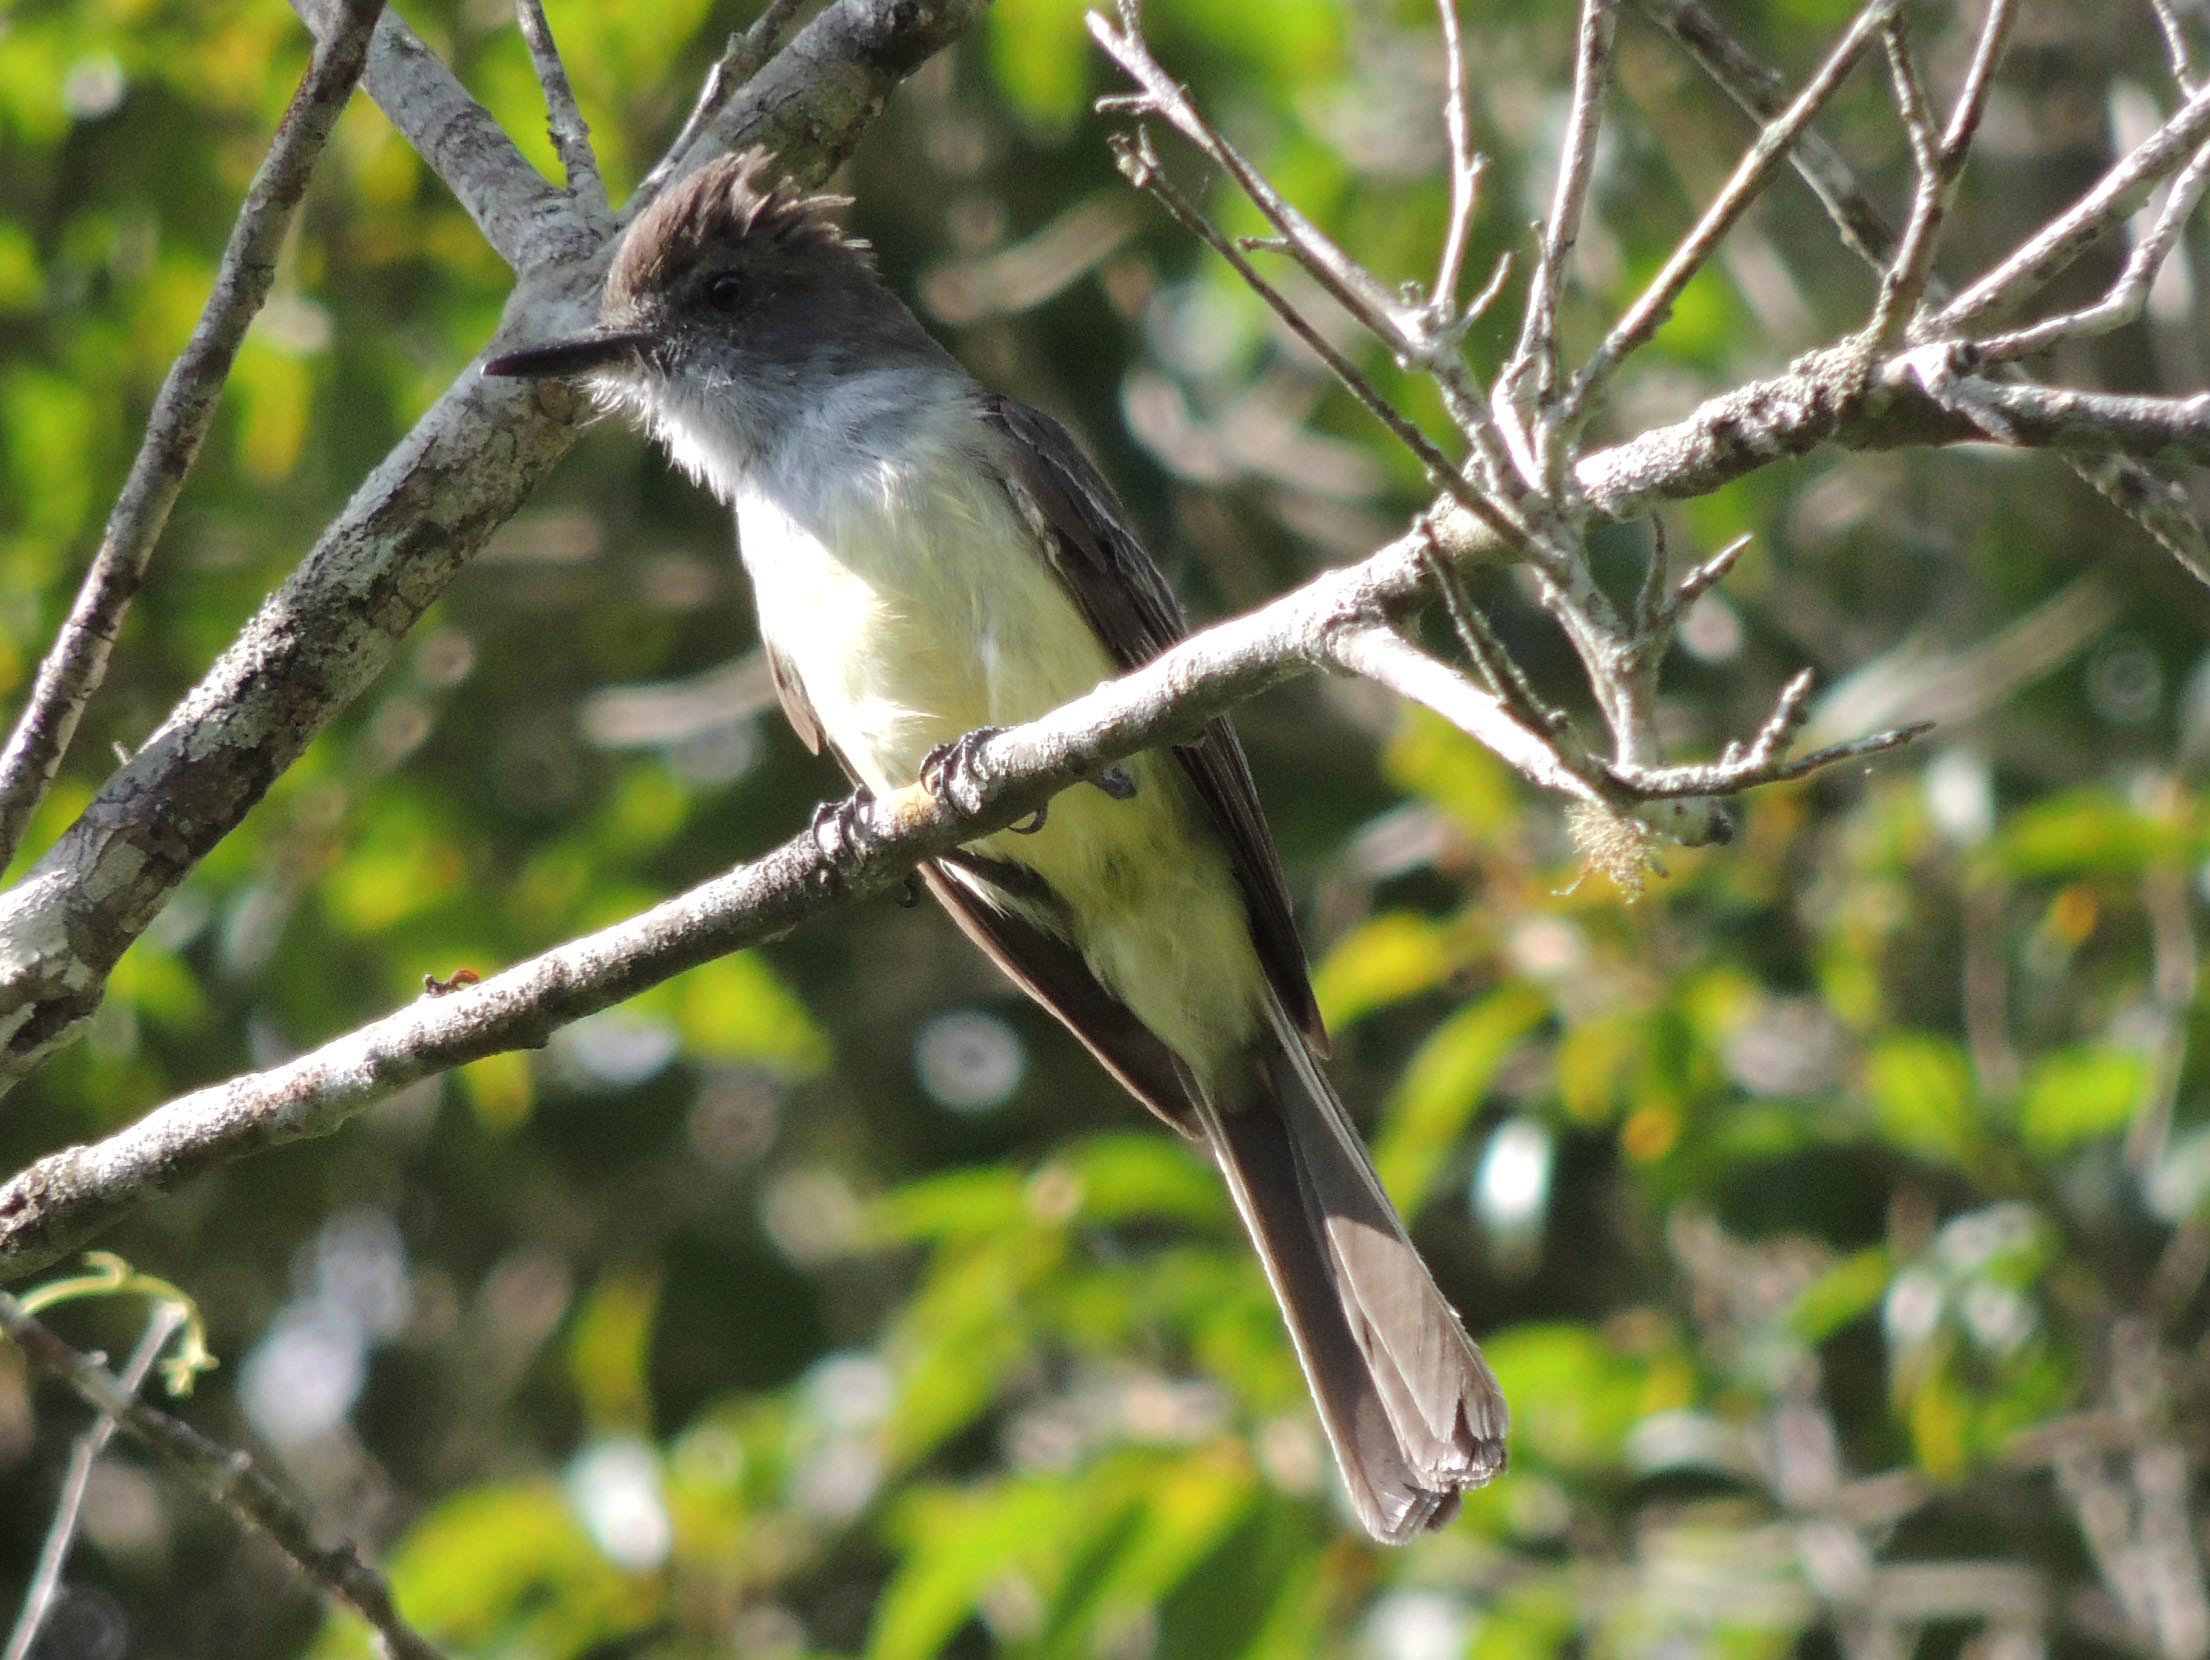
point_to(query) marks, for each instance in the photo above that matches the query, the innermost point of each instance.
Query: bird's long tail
(1412, 1410)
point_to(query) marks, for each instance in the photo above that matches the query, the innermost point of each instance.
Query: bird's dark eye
(724, 291)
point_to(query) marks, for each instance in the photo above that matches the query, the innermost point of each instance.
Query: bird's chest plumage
(913, 605)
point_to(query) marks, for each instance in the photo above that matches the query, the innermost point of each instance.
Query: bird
(932, 560)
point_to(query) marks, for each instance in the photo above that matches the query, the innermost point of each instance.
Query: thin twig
(1349, 283)
(1941, 166)
(1733, 776)
(2129, 294)
(2159, 506)
(61, 1532)
(1750, 178)
(2175, 45)
(1141, 164)
(526, 219)
(1412, 332)
(1658, 612)
(1498, 667)
(1388, 659)
(225, 1474)
(1762, 94)
(2053, 248)
(73, 669)
(739, 62)
(1465, 164)
(571, 134)
(1537, 352)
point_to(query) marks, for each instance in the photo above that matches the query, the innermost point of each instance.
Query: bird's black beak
(567, 358)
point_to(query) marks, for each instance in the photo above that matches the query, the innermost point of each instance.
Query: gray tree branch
(1344, 618)
(523, 217)
(225, 1475)
(73, 669)
(406, 535)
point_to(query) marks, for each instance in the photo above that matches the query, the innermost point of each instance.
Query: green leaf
(1846, 1292)
(1574, 1397)
(735, 1008)
(958, 1545)
(609, 1351)
(2089, 831)
(1444, 1088)
(2079, 1094)
(1145, 1173)
(1041, 56)
(1384, 960)
(1432, 758)
(962, 1334)
(1920, 1085)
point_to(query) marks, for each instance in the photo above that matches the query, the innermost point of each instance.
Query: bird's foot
(839, 830)
(953, 772)
(1117, 782)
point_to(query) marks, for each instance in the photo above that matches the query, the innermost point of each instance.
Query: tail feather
(1411, 1409)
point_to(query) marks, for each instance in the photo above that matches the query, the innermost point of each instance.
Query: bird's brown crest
(731, 202)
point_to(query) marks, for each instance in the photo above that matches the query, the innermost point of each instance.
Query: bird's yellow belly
(898, 661)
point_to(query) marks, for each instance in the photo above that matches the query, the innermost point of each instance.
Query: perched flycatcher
(929, 558)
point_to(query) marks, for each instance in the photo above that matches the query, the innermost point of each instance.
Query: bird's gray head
(738, 301)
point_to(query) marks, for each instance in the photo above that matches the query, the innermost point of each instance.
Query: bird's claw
(953, 772)
(838, 829)
(1117, 782)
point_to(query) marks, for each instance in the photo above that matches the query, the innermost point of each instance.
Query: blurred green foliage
(1834, 1216)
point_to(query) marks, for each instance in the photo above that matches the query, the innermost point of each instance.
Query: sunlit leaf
(1382, 961)
(1922, 1096)
(735, 1008)
(2079, 1094)
(1446, 1084)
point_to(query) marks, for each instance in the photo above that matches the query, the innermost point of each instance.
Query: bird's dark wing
(1051, 970)
(1085, 531)
(1041, 963)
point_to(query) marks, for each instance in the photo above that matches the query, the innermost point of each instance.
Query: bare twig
(1349, 283)
(2105, 206)
(1537, 353)
(739, 62)
(1905, 279)
(1749, 770)
(2160, 507)
(1762, 93)
(571, 134)
(2175, 45)
(1465, 165)
(1491, 661)
(1141, 164)
(1940, 165)
(1385, 657)
(1414, 332)
(61, 1532)
(1748, 182)
(525, 219)
(73, 669)
(224, 1474)
(2124, 302)
(2024, 415)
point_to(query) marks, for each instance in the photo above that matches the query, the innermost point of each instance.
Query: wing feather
(1136, 616)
